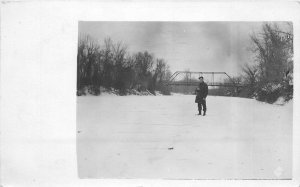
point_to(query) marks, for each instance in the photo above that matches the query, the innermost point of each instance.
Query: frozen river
(161, 137)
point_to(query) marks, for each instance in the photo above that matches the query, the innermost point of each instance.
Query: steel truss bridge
(188, 81)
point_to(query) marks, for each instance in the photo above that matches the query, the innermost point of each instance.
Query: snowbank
(114, 92)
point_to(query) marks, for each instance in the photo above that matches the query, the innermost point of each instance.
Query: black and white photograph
(185, 100)
(130, 93)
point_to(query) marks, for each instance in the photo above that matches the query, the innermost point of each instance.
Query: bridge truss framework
(190, 82)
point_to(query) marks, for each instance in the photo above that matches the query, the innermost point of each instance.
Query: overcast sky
(197, 46)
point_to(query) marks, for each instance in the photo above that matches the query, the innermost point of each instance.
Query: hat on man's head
(200, 77)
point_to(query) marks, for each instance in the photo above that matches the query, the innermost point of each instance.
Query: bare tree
(272, 53)
(250, 74)
(274, 56)
(160, 69)
(87, 63)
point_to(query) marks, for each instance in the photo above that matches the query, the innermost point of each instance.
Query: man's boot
(199, 112)
(204, 113)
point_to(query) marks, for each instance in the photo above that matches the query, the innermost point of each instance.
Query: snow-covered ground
(161, 137)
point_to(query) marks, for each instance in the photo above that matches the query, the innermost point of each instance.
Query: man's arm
(206, 91)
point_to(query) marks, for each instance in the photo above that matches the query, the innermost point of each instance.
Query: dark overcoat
(201, 92)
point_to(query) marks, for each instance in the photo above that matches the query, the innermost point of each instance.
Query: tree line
(111, 66)
(270, 74)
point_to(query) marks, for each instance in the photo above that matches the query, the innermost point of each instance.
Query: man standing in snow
(201, 94)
